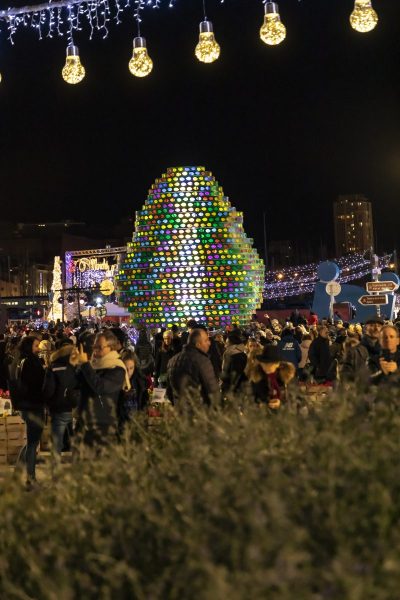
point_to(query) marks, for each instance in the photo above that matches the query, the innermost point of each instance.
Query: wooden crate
(14, 434)
(16, 443)
(16, 420)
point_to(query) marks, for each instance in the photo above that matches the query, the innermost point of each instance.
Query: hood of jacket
(62, 353)
(234, 349)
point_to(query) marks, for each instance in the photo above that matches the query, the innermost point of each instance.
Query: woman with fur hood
(60, 393)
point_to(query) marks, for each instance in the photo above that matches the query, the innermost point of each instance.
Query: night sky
(284, 129)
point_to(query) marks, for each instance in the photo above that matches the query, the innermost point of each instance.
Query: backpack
(18, 389)
(56, 390)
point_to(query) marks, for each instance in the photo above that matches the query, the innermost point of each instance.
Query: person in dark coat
(234, 362)
(176, 340)
(191, 371)
(362, 360)
(60, 393)
(216, 353)
(164, 355)
(100, 381)
(371, 341)
(319, 355)
(144, 353)
(26, 383)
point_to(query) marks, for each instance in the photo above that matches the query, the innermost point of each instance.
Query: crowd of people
(92, 382)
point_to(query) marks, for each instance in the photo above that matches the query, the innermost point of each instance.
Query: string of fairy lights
(65, 17)
(294, 281)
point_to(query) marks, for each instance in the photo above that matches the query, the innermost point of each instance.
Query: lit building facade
(354, 230)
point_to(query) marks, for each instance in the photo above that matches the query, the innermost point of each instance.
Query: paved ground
(43, 468)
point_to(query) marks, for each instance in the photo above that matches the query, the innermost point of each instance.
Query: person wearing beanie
(262, 376)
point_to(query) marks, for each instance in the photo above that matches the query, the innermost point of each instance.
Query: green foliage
(217, 504)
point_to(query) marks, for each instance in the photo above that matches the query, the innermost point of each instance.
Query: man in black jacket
(191, 370)
(100, 382)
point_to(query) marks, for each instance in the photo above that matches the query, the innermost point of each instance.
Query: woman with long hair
(26, 382)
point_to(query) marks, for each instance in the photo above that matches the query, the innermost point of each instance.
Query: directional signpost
(376, 300)
(381, 286)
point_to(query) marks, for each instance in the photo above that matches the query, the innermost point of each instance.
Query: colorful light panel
(189, 256)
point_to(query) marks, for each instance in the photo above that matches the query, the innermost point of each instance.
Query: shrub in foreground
(234, 503)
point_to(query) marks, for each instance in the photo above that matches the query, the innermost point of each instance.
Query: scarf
(110, 361)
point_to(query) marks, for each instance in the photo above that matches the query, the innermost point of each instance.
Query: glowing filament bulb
(363, 18)
(140, 64)
(207, 50)
(73, 72)
(273, 31)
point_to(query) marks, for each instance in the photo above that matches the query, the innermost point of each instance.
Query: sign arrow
(373, 300)
(381, 286)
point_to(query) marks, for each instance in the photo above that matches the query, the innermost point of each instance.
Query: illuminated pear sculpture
(190, 257)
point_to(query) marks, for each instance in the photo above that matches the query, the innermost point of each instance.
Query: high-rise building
(353, 224)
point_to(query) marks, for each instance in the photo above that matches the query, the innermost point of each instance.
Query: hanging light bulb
(363, 18)
(273, 31)
(73, 72)
(207, 50)
(140, 64)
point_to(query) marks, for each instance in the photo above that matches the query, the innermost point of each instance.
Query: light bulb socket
(206, 27)
(72, 50)
(271, 8)
(139, 42)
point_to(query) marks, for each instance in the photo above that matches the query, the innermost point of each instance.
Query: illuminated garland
(190, 257)
(294, 281)
(64, 17)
